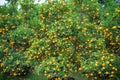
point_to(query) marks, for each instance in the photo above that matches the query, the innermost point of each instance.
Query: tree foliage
(60, 37)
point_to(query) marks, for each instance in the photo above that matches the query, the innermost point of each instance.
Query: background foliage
(60, 38)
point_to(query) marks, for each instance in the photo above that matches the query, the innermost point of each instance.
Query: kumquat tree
(60, 40)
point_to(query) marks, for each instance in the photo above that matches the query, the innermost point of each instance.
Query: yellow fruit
(110, 64)
(111, 60)
(13, 27)
(107, 14)
(99, 72)
(43, 48)
(106, 72)
(116, 69)
(12, 43)
(111, 75)
(84, 29)
(118, 27)
(103, 68)
(107, 62)
(96, 64)
(112, 72)
(80, 69)
(14, 74)
(114, 27)
(103, 64)
(58, 79)
(118, 11)
(100, 28)
(48, 76)
(86, 75)
(95, 78)
(91, 74)
(0, 30)
(65, 75)
(113, 68)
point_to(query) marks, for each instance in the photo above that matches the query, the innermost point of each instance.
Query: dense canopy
(60, 39)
